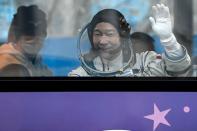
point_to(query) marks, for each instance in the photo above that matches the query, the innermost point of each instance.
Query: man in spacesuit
(111, 52)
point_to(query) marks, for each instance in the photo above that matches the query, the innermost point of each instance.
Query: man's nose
(103, 40)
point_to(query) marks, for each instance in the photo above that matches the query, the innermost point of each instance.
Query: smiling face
(106, 40)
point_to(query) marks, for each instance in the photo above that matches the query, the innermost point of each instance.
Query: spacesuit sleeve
(177, 60)
(179, 65)
(161, 65)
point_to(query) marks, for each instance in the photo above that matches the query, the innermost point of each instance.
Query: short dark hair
(144, 38)
(29, 21)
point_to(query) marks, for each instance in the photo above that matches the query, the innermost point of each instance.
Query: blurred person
(142, 42)
(19, 56)
(105, 48)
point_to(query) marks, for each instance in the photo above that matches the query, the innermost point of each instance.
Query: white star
(158, 117)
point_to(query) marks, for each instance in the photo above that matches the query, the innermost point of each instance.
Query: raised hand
(161, 22)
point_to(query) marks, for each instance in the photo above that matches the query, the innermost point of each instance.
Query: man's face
(106, 39)
(31, 45)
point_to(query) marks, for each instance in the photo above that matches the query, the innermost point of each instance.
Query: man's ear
(14, 70)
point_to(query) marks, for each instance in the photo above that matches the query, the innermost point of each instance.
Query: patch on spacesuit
(158, 56)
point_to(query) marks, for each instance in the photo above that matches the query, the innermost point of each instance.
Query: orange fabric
(5, 55)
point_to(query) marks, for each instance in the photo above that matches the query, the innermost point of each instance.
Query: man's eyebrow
(97, 30)
(106, 30)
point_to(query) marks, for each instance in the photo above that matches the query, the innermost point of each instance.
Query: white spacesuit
(174, 62)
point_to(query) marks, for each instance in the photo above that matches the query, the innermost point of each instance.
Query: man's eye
(110, 34)
(97, 34)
